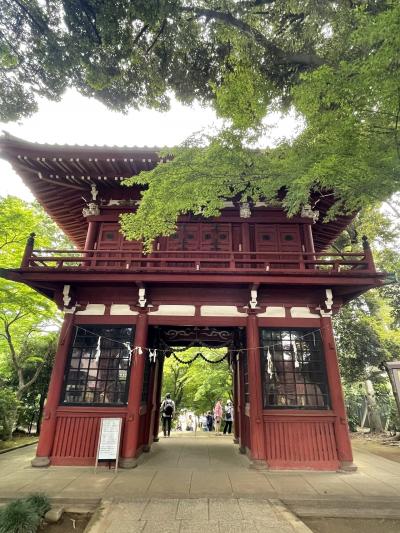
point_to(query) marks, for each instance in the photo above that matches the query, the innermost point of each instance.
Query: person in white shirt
(228, 417)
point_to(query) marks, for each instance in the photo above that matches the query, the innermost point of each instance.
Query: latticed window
(95, 376)
(293, 369)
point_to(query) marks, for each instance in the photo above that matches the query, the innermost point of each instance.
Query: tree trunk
(374, 418)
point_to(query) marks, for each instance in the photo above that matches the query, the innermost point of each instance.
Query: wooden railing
(198, 262)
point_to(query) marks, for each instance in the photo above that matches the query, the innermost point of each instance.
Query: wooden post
(257, 441)
(158, 401)
(151, 405)
(91, 235)
(30, 242)
(48, 426)
(235, 382)
(242, 405)
(343, 445)
(368, 254)
(131, 429)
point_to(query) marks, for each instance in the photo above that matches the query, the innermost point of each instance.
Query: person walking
(228, 417)
(218, 417)
(209, 419)
(167, 413)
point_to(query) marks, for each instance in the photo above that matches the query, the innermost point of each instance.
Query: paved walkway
(187, 479)
(184, 466)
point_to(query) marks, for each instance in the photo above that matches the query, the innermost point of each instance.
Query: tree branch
(31, 381)
(300, 58)
(161, 29)
(140, 33)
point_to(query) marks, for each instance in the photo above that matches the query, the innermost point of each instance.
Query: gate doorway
(197, 365)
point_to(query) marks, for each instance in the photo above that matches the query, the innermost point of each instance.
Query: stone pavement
(204, 473)
(196, 515)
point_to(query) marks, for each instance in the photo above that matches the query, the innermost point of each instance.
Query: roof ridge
(18, 140)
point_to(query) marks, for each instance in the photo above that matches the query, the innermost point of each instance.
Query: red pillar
(48, 428)
(336, 396)
(257, 441)
(236, 420)
(156, 428)
(151, 403)
(241, 406)
(131, 430)
(91, 235)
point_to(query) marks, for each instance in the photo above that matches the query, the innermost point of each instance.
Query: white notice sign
(109, 438)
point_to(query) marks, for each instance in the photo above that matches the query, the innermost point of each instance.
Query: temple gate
(263, 279)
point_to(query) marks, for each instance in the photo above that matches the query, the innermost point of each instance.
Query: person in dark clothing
(228, 417)
(209, 417)
(167, 413)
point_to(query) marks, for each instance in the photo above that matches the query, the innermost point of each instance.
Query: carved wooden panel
(289, 237)
(266, 238)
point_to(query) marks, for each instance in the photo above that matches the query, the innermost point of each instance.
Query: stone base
(40, 462)
(242, 449)
(258, 464)
(156, 439)
(235, 440)
(127, 462)
(54, 515)
(146, 448)
(347, 466)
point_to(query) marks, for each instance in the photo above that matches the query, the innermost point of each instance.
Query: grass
(16, 441)
(19, 517)
(25, 515)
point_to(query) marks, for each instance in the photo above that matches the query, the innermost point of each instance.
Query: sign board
(393, 369)
(109, 440)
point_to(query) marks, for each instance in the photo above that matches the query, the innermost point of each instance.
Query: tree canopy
(197, 386)
(136, 53)
(28, 321)
(334, 62)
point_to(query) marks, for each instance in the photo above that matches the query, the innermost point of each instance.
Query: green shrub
(19, 517)
(8, 412)
(40, 502)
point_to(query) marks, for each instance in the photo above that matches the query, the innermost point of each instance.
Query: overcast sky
(80, 120)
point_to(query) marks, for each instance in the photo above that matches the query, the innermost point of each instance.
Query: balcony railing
(198, 261)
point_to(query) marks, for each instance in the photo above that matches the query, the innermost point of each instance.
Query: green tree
(26, 317)
(333, 61)
(197, 386)
(367, 329)
(136, 53)
(8, 408)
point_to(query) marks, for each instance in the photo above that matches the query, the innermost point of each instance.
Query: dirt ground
(352, 525)
(69, 523)
(380, 444)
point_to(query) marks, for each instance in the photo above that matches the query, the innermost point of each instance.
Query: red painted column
(257, 439)
(91, 235)
(336, 396)
(158, 401)
(131, 429)
(241, 406)
(151, 401)
(48, 428)
(236, 420)
(309, 239)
